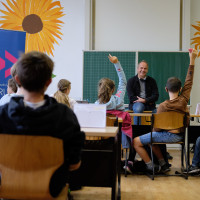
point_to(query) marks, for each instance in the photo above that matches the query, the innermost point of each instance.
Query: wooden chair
(171, 121)
(27, 164)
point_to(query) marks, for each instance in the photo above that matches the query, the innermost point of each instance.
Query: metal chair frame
(170, 121)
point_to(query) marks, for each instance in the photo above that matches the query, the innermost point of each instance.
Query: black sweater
(151, 89)
(52, 119)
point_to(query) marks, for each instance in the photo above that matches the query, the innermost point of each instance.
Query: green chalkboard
(97, 65)
(163, 65)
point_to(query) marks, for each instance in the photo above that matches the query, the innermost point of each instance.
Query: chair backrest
(27, 164)
(169, 120)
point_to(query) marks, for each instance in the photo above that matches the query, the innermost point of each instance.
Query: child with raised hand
(178, 100)
(62, 95)
(115, 103)
(106, 88)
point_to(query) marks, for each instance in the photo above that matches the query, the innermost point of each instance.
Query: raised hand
(113, 59)
(193, 54)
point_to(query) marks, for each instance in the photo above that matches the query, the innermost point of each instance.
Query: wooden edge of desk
(109, 131)
(140, 114)
(193, 115)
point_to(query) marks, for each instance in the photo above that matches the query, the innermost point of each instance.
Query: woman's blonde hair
(106, 87)
(61, 95)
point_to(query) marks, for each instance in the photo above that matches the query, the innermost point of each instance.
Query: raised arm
(190, 74)
(122, 78)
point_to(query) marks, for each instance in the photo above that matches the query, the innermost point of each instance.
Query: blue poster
(12, 45)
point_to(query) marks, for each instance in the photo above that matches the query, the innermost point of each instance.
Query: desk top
(141, 114)
(108, 131)
(193, 115)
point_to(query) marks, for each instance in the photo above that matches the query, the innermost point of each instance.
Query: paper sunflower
(196, 40)
(40, 20)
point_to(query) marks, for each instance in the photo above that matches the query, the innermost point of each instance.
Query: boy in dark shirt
(39, 114)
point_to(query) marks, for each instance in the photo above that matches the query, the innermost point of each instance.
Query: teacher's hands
(141, 100)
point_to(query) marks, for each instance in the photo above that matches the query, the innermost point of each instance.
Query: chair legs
(153, 174)
(126, 162)
(183, 156)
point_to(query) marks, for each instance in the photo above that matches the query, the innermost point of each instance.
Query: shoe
(127, 169)
(193, 169)
(169, 156)
(157, 168)
(165, 168)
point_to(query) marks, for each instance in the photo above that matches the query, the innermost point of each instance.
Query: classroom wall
(133, 25)
(195, 16)
(120, 25)
(67, 54)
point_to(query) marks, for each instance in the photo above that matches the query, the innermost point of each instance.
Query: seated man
(39, 114)
(142, 92)
(178, 100)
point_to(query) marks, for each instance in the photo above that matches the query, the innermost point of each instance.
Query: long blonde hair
(106, 88)
(61, 95)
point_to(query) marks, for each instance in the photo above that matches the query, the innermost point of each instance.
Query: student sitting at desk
(11, 90)
(39, 114)
(5, 99)
(195, 167)
(175, 103)
(62, 95)
(115, 103)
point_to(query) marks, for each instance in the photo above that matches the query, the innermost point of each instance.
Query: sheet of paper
(91, 115)
(198, 109)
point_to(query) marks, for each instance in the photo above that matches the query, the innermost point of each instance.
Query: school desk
(100, 166)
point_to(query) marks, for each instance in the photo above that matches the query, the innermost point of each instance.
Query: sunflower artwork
(196, 40)
(38, 18)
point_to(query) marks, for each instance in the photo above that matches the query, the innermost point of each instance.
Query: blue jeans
(160, 137)
(139, 108)
(126, 141)
(196, 158)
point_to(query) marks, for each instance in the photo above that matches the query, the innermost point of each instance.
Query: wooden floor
(140, 187)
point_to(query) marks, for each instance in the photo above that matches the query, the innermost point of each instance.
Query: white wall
(137, 25)
(194, 17)
(121, 25)
(68, 54)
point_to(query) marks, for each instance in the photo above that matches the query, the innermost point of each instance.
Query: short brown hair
(34, 69)
(173, 84)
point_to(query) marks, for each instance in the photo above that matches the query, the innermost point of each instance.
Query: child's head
(13, 72)
(173, 85)
(142, 69)
(12, 87)
(106, 88)
(64, 87)
(34, 71)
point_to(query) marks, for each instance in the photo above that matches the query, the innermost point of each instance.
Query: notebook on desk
(91, 115)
